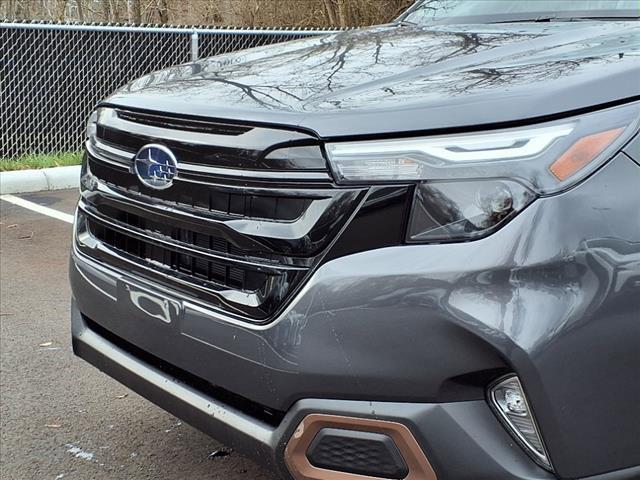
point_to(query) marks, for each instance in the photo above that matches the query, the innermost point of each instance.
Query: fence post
(194, 46)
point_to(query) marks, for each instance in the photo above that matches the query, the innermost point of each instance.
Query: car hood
(394, 78)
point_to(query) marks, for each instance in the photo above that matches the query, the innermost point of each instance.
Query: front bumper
(418, 332)
(465, 436)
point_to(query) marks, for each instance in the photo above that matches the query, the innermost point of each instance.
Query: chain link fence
(52, 75)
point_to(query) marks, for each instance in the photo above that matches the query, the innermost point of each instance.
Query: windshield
(496, 11)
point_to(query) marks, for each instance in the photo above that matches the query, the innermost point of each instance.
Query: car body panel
(400, 79)
(546, 296)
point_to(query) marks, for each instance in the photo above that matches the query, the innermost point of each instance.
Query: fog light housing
(509, 401)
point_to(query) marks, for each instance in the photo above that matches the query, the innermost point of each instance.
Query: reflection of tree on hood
(294, 73)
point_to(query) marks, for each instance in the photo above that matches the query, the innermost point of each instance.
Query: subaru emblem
(155, 166)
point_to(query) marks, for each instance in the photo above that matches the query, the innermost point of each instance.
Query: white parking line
(50, 212)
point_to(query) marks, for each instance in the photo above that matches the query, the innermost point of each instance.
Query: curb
(25, 181)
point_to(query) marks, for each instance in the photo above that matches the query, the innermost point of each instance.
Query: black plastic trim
(357, 452)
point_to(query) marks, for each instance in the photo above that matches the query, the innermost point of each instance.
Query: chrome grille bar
(123, 158)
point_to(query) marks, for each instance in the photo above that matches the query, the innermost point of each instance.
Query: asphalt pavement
(61, 418)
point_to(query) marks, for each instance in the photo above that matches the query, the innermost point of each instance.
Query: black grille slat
(212, 243)
(223, 275)
(201, 126)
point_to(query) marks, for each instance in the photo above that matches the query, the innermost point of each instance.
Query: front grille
(243, 246)
(205, 199)
(170, 232)
(210, 271)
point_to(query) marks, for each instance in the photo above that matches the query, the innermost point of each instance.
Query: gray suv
(410, 251)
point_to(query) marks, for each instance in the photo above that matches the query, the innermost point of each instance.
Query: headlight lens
(464, 210)
(468, 185)
(87, 180)
(547, 158)
(92, 126)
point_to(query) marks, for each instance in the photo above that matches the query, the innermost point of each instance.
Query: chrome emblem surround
(156, 166)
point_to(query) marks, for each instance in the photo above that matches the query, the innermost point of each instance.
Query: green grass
(40, 161)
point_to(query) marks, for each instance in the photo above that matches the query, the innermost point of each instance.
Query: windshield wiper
(563, 19)
(527, 20)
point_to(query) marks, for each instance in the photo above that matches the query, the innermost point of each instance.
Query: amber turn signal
(581, 153)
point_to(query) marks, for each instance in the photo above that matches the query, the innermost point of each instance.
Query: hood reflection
(391, 65)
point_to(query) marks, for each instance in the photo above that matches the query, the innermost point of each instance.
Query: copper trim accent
(295, 455)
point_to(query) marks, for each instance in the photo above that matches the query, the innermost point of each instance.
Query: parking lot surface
(61, 418)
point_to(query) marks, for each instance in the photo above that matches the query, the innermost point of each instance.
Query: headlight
(464, 210)
(469, 184)
(97, 118)
(87, 181)
(92, 126)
